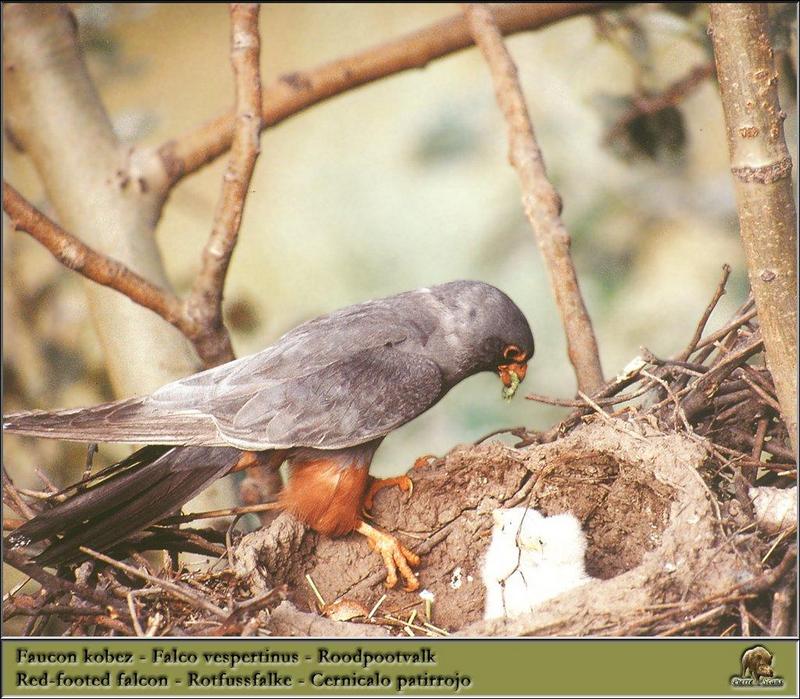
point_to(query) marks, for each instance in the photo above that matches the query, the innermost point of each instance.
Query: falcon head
(486, 331)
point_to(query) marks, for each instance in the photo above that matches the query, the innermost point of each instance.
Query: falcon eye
(513, 352)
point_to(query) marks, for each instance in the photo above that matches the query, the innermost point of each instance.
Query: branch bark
(294, 92)
(97, 187)
(761, 167)
(199, 318)
(542, 202)
(204, 304)
(77, 256)
(55, 113)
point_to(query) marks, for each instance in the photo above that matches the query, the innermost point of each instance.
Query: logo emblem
(757, 670)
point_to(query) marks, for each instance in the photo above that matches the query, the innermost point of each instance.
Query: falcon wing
(334, 380)
(355, 400)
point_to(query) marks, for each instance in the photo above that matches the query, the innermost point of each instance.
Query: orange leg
(395, 556)
(403, 482)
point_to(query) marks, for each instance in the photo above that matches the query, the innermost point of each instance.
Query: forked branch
(204, 304)
(200, 317)
(294, 92)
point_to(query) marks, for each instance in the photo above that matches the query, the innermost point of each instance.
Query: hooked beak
(504, 370)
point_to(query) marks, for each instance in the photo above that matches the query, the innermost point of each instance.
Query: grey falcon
(323, 397)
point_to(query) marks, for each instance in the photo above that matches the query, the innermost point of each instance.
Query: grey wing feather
(335, 381)
(351, 402)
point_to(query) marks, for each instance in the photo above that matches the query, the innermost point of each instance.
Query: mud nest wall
(679, 471)
(655, 539)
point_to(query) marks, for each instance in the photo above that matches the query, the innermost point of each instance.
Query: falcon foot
(403, 482)
(395, 556)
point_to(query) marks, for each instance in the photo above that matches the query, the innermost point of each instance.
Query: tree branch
(56, 115)
(199, 318)
(761, 167)
(204, 304)
(77, 256)
(294, 92)
(541, 201)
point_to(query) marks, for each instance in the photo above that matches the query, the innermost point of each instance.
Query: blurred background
(405, 183)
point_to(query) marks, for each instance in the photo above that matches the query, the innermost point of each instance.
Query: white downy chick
(531, 559)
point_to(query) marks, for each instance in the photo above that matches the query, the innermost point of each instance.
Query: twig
(726, 329)
(376, 606)
(53, 610)
(166, 585)
(18, 504)
(494, 433)
(718, 294)
(225, 512)
(761, 393)
(77, 256)
(781, 611)
(204, 304)
(704, 387)
(51, 488)
(673, 95)
(315, 590)
(54, 584)
(767, 446)
(541, 201)
(91, 450)
(292, 93)
(134, 616)
(566, 403)
(615, 423)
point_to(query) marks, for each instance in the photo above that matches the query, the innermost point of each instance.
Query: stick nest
(658, 466)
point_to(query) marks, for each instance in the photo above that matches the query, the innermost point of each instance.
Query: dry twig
(204, 304)
(292, 93)
(541, 201)
(673, 95)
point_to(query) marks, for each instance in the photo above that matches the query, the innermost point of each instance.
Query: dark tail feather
(155, 482)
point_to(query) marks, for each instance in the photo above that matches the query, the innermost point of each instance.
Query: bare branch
(204, 304)
(701, 325)
(56, 114)
(541, 201)
(761, 167)
(77, 256)
(294, 92)
(180, 591)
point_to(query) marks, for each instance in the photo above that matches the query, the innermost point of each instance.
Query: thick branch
(73, 254)
(294, 92)
(55, 113)
(205, 302)
(541, 201)
(761, 168)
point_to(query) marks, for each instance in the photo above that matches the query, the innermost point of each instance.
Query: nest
(661, 467)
